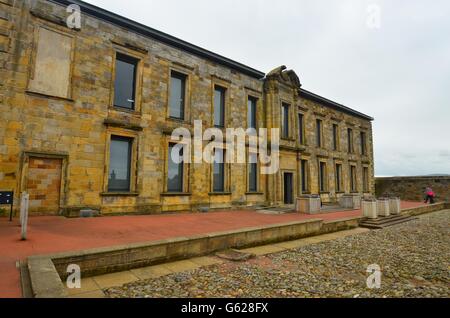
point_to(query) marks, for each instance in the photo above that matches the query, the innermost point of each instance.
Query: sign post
(24, 214)
(7, 198)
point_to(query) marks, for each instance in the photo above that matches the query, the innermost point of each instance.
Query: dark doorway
(288, 188)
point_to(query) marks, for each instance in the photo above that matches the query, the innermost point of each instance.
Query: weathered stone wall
(75, 126)
(413, 188)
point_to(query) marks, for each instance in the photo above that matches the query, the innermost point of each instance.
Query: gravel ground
(414, 260)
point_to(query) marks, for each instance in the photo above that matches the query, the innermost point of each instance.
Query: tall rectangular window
(335, 137)
(338, 178)
(322, 176)
(125, 81)
(285, 110)
(353, 185)
(219, 171)
(253, 177)
(304, 171)
(301, 128)
(363, 143)
(177, 95)
(219, 107)
(319, 132)
(251, 112)
(120, 164)
(350, 140)
(366, 179)
(175, 170)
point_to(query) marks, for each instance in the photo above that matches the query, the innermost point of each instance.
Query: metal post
(24, 214)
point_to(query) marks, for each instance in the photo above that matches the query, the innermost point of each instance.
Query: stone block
(369, 209)
(394, 206)
(383, 207)
(309, 204)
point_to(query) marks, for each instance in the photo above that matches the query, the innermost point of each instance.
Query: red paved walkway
(58, 234)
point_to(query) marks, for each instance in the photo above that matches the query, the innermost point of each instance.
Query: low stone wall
(413, 188)
(48, 272)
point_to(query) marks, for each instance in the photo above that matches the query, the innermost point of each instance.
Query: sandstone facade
(56, 112)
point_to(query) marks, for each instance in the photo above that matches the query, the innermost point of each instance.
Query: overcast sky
(394, 66)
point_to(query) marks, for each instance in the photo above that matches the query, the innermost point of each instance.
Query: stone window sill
(254, 193)
(219, 193)
(119, 194)
(176, 194)
(30, 92)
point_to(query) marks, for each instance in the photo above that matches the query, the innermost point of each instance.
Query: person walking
(429, 195)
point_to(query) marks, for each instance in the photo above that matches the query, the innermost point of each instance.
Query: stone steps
(384, 222)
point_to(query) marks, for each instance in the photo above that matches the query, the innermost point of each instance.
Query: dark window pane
(363, 143)
(120, 164)
(125, 82)
(251, 113)
(285, 120)
(253, 177)
(322, 177)
(338, 177)
(335, 137)
(304, 176)
(301, 127)
(177, 95)
(219, 171)
(175, 170)
(319, 133)
(350, 140)
(219, 107)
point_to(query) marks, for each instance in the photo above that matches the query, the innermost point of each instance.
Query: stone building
(86, 116)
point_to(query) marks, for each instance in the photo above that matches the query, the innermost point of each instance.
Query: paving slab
(182, 266)
(93, 294)
(115, 279)
(151, 272)
(87, 285)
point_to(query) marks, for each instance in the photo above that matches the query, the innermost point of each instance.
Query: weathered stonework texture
(413, 188)
(72, 123)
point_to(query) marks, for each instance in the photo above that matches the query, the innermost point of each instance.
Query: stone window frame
(35, 43)
(364, 151)
(134, 161)
(342, 179)
(322, 139)
(338, 135)
(302, 141)
(326, 189)
(226, 86)
(140, 57)
(366, 182)
(227, 176)
(186, 170)
(354, 180)
(290, 120)
(259, 108)
(65, 173)
(307, 161)
(187, 72)
(258, 175)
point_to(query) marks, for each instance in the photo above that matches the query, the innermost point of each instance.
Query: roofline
(165, 38)
(139, 28)
(334, 105)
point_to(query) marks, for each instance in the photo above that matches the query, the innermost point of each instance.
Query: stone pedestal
(350, 201)
(394, 206)
(383, 207)
(309, 204)
(369, 209)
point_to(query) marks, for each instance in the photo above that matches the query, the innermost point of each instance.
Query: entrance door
(288, 188)
(44, 185)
